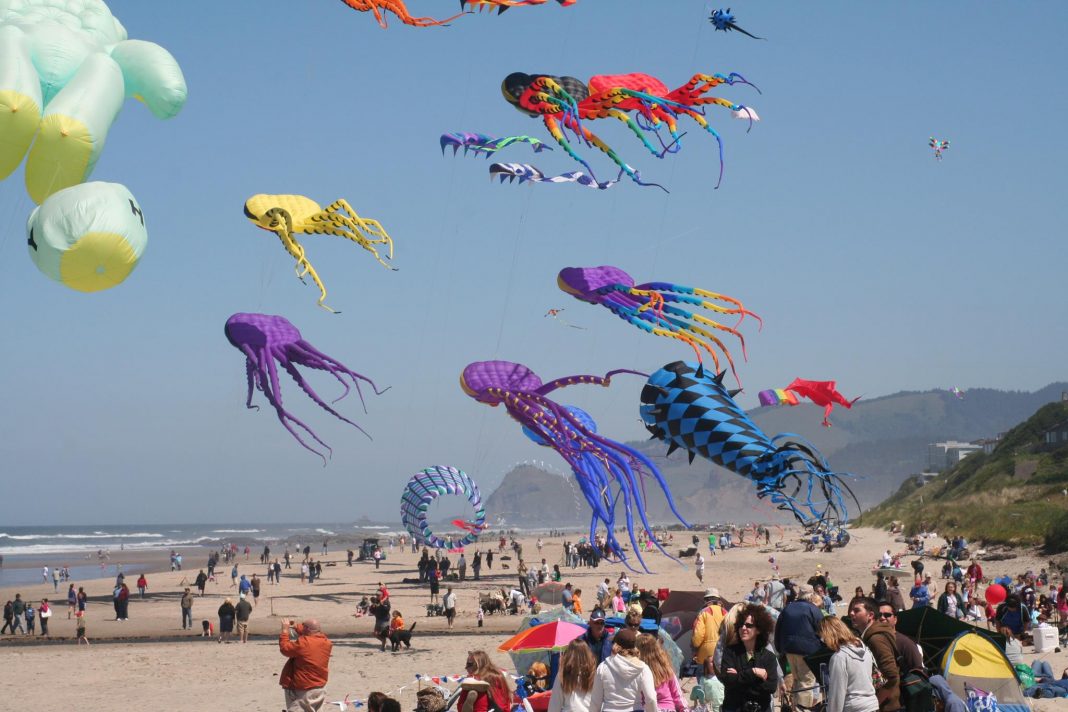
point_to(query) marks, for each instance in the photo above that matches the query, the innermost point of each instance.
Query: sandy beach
(150, 658)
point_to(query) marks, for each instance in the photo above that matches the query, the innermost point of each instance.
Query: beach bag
(1025, 674)
(430, 699)
(917, 693)
(46, 613)
(878, 680)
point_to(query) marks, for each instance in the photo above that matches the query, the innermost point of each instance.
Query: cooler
(1045, 638)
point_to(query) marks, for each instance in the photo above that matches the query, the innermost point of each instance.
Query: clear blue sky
(871, 263)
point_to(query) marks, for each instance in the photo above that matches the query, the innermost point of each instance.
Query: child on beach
(80, 618)
(396, 622)
(361, 608)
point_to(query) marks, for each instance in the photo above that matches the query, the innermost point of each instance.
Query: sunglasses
(747, 625)
(470, 664)
(884, 615)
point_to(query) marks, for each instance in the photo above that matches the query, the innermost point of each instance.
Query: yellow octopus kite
(289, 215)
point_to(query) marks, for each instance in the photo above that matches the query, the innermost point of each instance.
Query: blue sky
(871, 263)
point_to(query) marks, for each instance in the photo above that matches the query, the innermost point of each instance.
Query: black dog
(402, 636)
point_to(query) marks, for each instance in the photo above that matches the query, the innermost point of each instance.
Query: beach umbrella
(549, 592)
(552, 636)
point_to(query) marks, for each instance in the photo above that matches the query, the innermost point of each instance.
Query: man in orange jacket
(308, 667)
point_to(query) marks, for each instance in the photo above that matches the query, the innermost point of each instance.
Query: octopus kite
(563, 103)
(289, 215)
(264, 339)
(685, 407)
(651, 307)
(724, 20)
(599, 464)
(398, 8)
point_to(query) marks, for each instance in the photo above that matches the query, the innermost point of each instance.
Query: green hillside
(1014, 495)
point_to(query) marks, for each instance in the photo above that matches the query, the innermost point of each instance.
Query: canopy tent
(973, 660)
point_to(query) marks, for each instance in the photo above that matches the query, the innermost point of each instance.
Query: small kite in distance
(555, 314)
(957, 392)
(724, 20)
(938, 147)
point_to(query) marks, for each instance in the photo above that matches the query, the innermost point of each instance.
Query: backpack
(917, 693)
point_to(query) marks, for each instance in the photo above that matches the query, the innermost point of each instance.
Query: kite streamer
(485, 145)
(687, 408)
(426, 486)
(525, 172)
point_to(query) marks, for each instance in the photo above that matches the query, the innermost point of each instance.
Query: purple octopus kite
(597, 462)
(264, 339)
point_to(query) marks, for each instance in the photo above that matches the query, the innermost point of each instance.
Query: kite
(288, 215)
(481, 143)
(563, 103)
(524, 172)
(938, 147)
(651, 307)
(426, 486)
(398, 8)
(724, 20)
(957, 392)
(555, 314)
(747, 113)
(87, 237)
(823, 393)
(467, 526)
(599, 464)
(67, 68)
(685, 407)
(777, 396)
(503, 5)
(264, 339)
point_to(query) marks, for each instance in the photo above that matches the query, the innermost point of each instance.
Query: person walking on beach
(124, 602)
(31, 618)
(80, 631)
(201, 581)
(55, 579)
(142, 585)
(187, 609)
(243, 611)
(435, 585)
(461, 567)
(699, 564)
(44, 612)
(254, 583)
(449, 602)
(304, 571)
(226, 620)
(44, 574)
(277, 572)
(306, 672)
(18, 607)
(83, 598)
(72, 601)
(233, 577)
(9, 615)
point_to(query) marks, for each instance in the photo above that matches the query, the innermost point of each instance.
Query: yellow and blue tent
(974, 661)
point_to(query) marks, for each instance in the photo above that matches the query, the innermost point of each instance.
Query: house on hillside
(942, 456)
(1056, 434)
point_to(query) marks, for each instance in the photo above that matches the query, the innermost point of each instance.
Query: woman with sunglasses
(486, 681)
(849, 685)
(748, 671)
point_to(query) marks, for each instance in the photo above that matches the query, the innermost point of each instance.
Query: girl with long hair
(849, 685)
(668, 692)
(485, 688)
(623, 683)
(574, 681)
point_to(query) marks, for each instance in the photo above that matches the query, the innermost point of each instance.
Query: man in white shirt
(448, 602)
(776, 593)
(886, 560)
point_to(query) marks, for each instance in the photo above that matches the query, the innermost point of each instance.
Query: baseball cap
(597, 614)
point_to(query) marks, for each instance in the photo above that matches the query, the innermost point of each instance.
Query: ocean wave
(90, 549)
(94, 535)
(236, 531)
(326, 531)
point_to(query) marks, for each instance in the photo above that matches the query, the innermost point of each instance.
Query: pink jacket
(669, 695)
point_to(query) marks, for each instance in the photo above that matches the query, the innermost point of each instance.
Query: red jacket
(500, 697)
(308, 666)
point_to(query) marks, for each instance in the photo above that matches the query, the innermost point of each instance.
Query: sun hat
(712, 593)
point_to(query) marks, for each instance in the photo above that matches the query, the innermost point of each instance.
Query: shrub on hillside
(1057, 536)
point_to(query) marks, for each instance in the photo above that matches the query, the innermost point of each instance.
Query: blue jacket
(602, 649)
(796, 629)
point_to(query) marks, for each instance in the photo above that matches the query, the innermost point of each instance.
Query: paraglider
(563, 103)
(67, 68)
(264, 339)
(724, 20)
(398, 8)
(650, 307)
(485, 145)
(525, 172)
(823, 393)
(688, 408)
(426, 486)
(599, 463)
(288, 215)
(938, 147)
(87, 237)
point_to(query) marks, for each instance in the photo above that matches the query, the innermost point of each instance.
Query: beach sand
(148, 660)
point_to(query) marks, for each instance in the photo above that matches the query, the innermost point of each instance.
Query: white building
(942, 456)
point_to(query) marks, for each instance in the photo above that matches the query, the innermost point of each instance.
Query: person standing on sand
(80, 623)
(44, 612)
(243, 611)
(699, 565)
(277, 572)
(72, 601)
(255, 584)
(306, 672)
(489, 559)
(142, 585)
(449, 602)
(233, 577)
(55, 579)
(83, 598)
(187, 609)
(201, 581)
(304, 571)
(226, 620)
